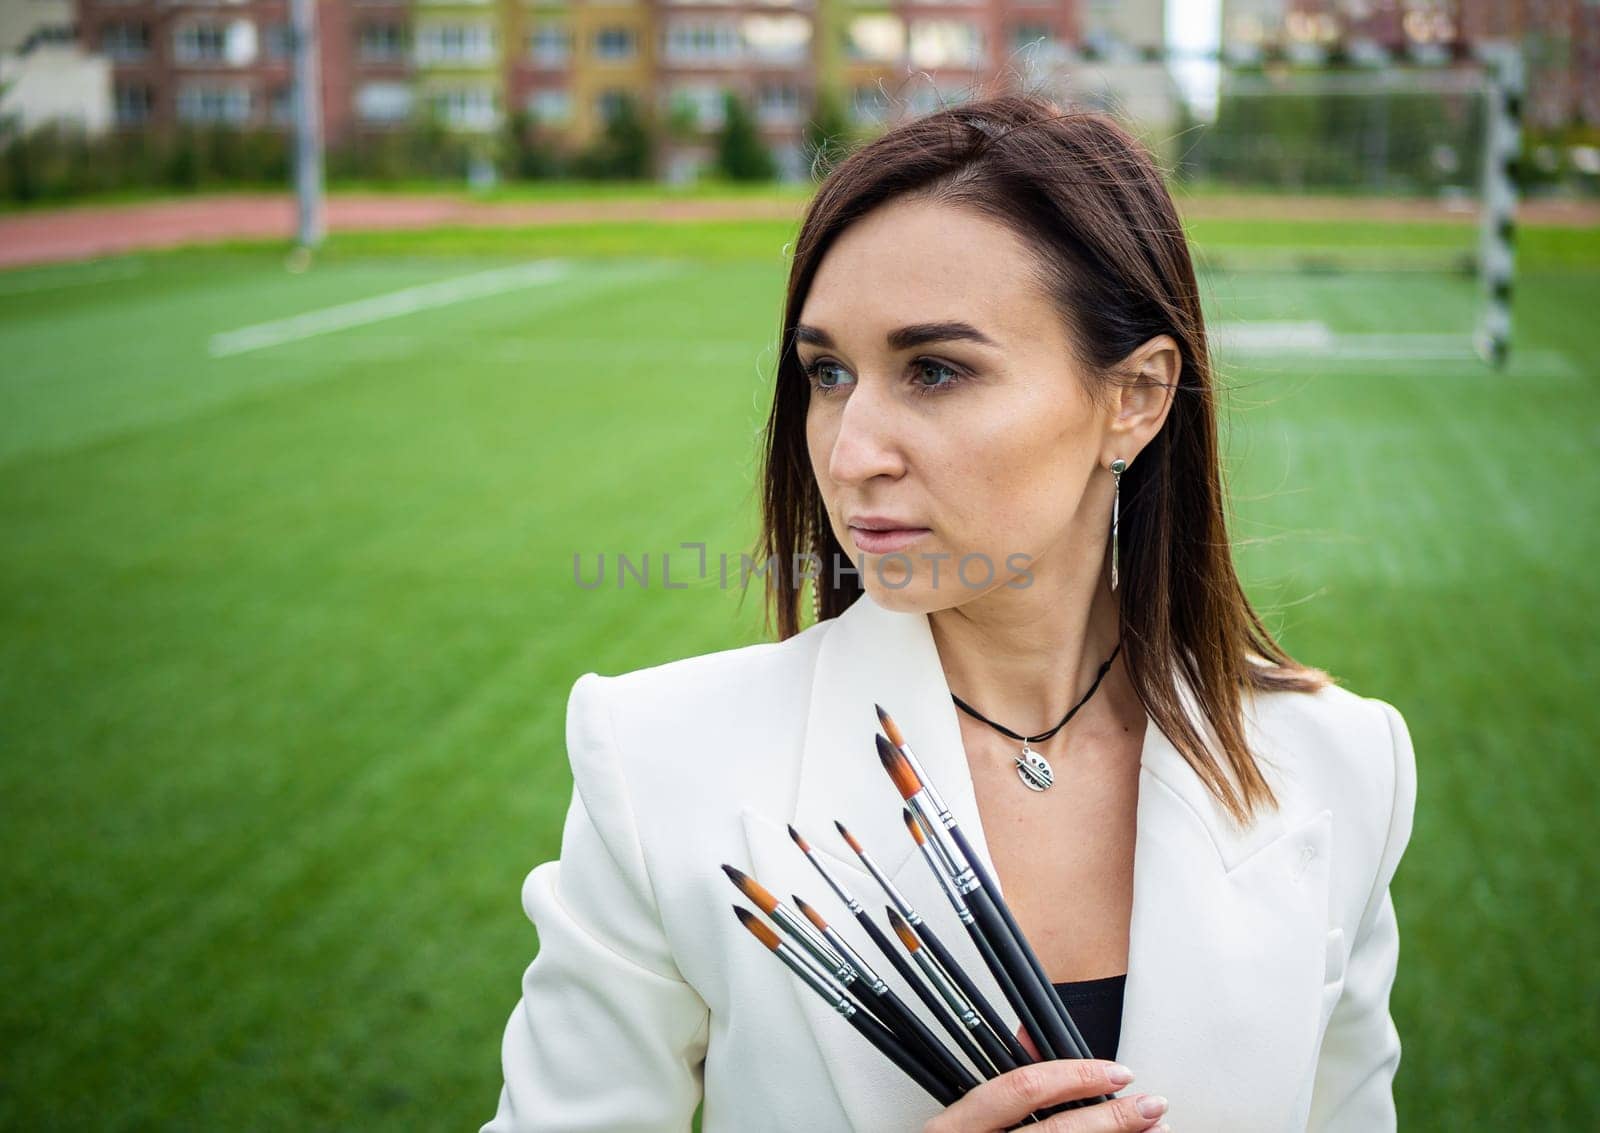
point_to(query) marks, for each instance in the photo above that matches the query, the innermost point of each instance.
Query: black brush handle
(893, 1011)
(884, 1039)
(1012, 1054)
(1002, 959)
(1026, 985)
(1007, 933)
(917, 984)
(1077, 1048)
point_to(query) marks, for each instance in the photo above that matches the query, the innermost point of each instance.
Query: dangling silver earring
(1118, 467)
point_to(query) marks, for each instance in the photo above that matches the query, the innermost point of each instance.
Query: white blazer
(1260, 962)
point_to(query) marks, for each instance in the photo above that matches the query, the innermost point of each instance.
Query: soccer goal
(1359, 211)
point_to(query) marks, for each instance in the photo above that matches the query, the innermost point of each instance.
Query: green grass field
(286, 636)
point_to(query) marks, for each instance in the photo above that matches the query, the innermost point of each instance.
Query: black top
(1096, 1007)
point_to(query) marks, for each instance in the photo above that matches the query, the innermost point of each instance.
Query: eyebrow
(905, 337)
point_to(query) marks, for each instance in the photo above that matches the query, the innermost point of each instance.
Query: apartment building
(176, 63)
(567, 64)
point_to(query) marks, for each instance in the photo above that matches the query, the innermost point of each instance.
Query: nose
(865, 443)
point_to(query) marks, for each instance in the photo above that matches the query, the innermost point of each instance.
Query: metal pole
(1497, 238)
(307, 123)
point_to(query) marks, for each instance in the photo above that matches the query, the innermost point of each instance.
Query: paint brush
(1049, 1034)
(874, 1031)
(890, 1008)
(907, 970)
(802, 933)
(1076, 1046)
(946, 989)
(1011, 1053)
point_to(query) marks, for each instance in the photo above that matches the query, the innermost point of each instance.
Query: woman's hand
(1005, 1101)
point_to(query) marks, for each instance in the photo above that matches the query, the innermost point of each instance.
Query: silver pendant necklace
(1032, 768)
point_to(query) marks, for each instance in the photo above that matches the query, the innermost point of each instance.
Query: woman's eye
(826, 375)
(927, 376)
(941, 376)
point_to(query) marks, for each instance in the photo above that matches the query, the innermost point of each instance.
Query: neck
(1023, 657)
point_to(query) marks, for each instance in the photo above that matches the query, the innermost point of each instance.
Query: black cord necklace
(1032, 768)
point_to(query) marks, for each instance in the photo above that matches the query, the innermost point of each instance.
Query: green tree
(741, 156)
(626, 148)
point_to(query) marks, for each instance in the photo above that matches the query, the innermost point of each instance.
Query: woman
(993, 423)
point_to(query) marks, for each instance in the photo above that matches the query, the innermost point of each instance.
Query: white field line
(1273, 337)
(391, 306)
(1308, 341)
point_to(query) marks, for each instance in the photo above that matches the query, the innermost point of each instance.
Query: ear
(1142, 397)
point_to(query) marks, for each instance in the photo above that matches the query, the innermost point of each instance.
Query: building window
(208, 103)
(704, 101)
(550, 44)
(132, 104)
(201, 43)
(946, 43)
(925, 98)
(550, 107)
(869, 105)
(382, 43)
(777, 39)
(456, 43)
(615, 43)
(280, 109)
(1025, 34)
(778, 104)
(280, 41)
(383, 103)
(702, 42)
(465, 108)
(125, 43)
(876, 39)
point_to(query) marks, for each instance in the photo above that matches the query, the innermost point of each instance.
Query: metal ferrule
(949, 888)
(853, 958)
(841, 891)
(823, 986)
(945, 883)
(896, 898)
(941, 983)
(938, 835)
(967, 882)
(807, 938)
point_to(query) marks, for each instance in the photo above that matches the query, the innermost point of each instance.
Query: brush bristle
(898, 767)
(890, 727)
(913, 825)
(760, 931)
(811, 914)
(799, 840)
(751, 888)
(903, 930)
(848, 837)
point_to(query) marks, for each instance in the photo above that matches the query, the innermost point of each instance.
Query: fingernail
(1152, 1105)
(1118, 1074)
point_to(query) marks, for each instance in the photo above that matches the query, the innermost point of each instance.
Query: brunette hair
(1107, 246)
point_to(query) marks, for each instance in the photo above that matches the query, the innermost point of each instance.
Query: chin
(917, 596)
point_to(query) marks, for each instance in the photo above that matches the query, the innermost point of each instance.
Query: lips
(877, 535)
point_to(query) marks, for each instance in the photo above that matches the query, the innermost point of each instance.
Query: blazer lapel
(1225, 960)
